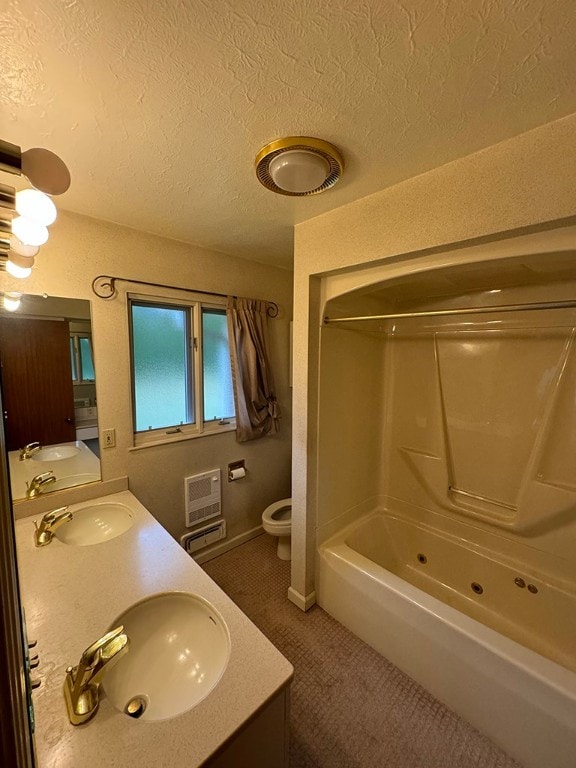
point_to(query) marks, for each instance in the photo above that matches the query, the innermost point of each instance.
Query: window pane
(86, 362)
(73, 360)
(162, 395)
(218, 393)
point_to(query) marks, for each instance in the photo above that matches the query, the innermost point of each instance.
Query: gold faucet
(44, 532)
(29, 450)
(38, 483)
(81, 685)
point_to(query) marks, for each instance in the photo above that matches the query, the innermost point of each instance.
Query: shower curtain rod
(104, 286)
(468, 311)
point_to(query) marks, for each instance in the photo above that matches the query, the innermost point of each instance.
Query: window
(216, 371)
(181, 374)
(81, 358)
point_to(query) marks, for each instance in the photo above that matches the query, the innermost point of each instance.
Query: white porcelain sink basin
(179, 649)
(95, 523)
(55, 453)
(69, 481)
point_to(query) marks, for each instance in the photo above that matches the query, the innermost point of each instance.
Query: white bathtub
(523, 701)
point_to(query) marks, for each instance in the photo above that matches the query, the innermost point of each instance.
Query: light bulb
(18, 246)
(36, 206)
(29, 232)
(12, 301)
(16, 271)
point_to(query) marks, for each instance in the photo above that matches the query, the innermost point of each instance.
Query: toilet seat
(273, 522)
(277, 521)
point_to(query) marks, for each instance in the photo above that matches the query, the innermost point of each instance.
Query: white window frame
(200, 428)
(76, 336)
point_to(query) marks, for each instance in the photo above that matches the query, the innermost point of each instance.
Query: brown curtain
(257, 411)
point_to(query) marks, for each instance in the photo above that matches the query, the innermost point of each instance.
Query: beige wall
(521, 183)
(80, 248)
(351, 389)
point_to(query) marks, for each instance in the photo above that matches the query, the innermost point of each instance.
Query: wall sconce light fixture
(21, 235)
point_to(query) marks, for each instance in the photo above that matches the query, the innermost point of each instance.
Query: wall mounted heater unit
(201, 538)
(202, 497)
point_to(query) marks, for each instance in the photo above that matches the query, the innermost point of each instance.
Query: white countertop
(71, 596)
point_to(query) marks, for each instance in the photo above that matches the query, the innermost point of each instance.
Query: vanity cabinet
(73, 594)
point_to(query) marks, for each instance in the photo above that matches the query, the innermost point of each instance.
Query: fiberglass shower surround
(450, 547)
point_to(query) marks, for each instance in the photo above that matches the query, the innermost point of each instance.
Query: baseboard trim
(219, 549)
(303, 602)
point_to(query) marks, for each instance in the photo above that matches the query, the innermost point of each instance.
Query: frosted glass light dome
(299, 170)
(28, 231)
(36, 206)
(12, 301)
(17, 271)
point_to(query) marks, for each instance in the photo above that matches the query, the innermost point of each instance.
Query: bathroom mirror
(49, 393)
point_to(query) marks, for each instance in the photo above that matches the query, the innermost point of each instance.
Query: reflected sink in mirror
(55, 453)
(49, 388)
(95, 523)
(179, 649)
(71, 463)
(70, 481)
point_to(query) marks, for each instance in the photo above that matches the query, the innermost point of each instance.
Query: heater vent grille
(203, 537)
(202, 496)
(199, 489)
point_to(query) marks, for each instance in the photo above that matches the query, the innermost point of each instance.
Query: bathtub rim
(548, 672)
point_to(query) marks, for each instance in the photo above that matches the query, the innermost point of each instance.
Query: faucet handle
(44, 477)
(105, 647)
(81, 684)
(28, 450)
(54, 514)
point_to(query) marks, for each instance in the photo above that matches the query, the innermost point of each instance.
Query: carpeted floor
(350, 707)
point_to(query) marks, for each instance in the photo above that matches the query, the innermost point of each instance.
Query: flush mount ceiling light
(299, 166)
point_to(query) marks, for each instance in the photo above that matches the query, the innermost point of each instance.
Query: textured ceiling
(159, 106)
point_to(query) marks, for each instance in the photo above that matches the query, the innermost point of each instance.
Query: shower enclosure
(446, 486)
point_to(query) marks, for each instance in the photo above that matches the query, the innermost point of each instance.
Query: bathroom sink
(179, 649)
(69, 481)
(95, 523)
(55, 453)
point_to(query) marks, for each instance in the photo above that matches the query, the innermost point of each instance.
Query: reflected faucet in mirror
(39, 483)
(29, 450)
(49, 393)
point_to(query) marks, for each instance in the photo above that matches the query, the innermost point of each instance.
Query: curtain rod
(104, 286)
(468, 311)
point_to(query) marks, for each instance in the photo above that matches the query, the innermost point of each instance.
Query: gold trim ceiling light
(299, 166)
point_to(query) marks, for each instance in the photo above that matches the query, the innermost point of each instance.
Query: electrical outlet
(109, 438)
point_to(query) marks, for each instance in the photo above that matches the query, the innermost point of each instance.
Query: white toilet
(277, 520)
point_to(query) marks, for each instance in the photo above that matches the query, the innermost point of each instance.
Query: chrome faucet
(44, 532)
(81, 685)
(38, 483)
(29, 450)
